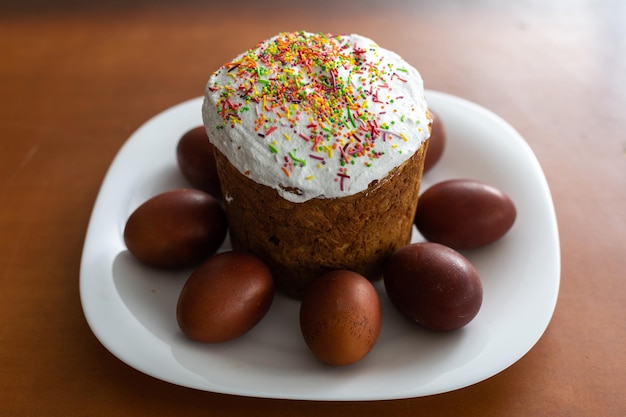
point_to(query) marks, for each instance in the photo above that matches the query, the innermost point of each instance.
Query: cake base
(300, 241)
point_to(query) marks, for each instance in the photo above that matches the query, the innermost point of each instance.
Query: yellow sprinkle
(286, 136)
(404, 137)
(310, 177)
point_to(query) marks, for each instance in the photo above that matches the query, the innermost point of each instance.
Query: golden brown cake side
(300, 241)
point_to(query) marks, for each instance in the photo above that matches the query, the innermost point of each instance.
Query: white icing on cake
(314, 115)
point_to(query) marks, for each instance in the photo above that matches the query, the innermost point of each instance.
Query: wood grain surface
(77, 78)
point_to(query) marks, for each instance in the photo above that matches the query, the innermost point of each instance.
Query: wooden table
(76, 79)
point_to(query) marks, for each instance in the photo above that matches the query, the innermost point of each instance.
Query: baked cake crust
(300, 241)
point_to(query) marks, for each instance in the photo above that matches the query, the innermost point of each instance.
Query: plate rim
(96, 327)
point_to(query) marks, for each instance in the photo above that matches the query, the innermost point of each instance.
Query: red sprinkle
(398, 77)
(343, 153)
(318, 139)
(342, 178)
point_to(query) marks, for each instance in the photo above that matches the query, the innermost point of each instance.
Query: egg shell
(464, 213)
(225, 297)
(175, 229)
(340, 317)
(436, 142)
(433, 285)
(196, 161)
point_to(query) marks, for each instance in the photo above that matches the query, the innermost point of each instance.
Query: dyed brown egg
(340, 317)
(176, 229)
(225, 297)
(194, 154)
(433, 285)
(464, 214)
(436, 143)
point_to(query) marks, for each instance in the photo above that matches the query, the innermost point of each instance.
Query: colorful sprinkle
(320, 88)
(302, 162)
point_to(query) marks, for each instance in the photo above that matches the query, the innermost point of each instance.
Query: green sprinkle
(402, 69)
(298, 160)
(273, 148)
(351, 118)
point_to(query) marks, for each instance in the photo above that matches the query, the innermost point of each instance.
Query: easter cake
(319, 143)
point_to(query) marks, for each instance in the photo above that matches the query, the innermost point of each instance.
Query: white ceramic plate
(131, 308)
